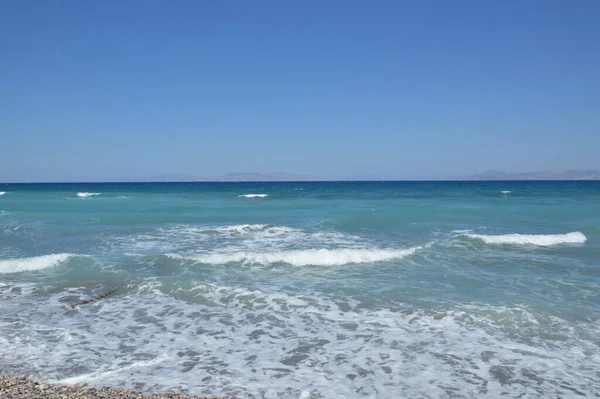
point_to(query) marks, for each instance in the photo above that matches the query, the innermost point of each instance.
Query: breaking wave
(253, 228)
(254, 195)
(86, 195)
(32, 264)
(575, 237)
(306, 257)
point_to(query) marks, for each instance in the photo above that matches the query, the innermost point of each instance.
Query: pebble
(24, 388)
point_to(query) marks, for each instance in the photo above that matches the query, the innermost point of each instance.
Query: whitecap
(254, 195)
(2, 192)
(575, 237)
(505, 191)
(86, 195)
(305, 257)
(253, 228)
(32, 263)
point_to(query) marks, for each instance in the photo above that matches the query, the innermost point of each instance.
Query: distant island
(257, 177)
(591, 174)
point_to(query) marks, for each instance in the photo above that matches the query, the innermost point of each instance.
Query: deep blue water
(305, 290)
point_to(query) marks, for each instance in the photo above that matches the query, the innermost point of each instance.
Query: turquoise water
(305, 290)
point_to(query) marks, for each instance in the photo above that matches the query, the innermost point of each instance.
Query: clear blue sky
(97, 90)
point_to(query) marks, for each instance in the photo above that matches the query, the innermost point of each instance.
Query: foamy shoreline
(25, 388)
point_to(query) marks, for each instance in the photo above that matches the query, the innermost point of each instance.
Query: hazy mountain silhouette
(591, 174)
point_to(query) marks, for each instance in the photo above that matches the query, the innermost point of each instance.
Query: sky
(135, 89)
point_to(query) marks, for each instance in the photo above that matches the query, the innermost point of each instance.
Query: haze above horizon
(109, 90)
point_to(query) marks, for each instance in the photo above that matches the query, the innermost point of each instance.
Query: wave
(306, 257)
(32, 264)
(505, 191)
(86, 195)
(575, 237)
(254, 195)
(187, 238)
(253, 228)
(2, 192)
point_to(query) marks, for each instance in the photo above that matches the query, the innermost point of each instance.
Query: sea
(305, 289)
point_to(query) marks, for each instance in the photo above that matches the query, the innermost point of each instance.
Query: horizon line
(294, 181)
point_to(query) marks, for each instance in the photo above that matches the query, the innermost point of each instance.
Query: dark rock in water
(94, 299)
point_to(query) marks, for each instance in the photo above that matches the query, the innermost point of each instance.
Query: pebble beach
(25, 388)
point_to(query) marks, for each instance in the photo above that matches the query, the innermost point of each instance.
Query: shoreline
(12, 387)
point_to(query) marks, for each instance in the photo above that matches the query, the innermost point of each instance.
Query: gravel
(24, 388)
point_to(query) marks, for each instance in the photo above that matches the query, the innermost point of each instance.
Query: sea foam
(306, 257)
(575, 237)
(32, 264)
(246, 228)
(264, 343)
(86, 195)
(2, 192)
(107, 374)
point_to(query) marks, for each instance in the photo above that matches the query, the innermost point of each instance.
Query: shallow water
(305, 290)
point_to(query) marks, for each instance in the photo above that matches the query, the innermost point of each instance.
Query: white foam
(271, 344)
(191, 239)
(254, 195)
(253, 228)
(575, 237)
(243, 228)
(306, 257)
(2, 192)
(506, 192)
(12, 290)
(32, 264)
(105, 374)
(86, 195)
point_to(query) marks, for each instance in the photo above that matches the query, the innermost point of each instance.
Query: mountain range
(590, 174)
(272, 176)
